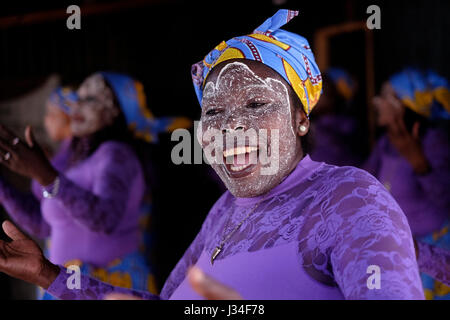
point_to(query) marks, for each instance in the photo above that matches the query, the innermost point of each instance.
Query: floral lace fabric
(342, 220)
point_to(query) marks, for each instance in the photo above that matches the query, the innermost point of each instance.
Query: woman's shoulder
(353, 193)
(343, 187)
(345, 176)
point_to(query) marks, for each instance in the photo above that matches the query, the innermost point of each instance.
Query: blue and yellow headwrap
(424, 92)
(63, 97)
(345, 85)
(133, 103)
(287, 53)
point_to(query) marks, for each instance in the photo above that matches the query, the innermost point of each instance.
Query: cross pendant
(216, 252)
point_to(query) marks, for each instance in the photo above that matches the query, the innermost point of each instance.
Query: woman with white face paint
(90, 204)
(288, 227)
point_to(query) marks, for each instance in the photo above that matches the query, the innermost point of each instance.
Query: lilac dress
(317, 235)
(425, 201)
(94, 217)
(423, 198)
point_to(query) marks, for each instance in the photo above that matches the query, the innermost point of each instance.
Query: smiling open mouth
(240, 161)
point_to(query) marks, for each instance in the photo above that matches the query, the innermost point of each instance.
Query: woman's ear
(301, 122)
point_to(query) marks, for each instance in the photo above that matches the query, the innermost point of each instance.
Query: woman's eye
(255, 105)
(88, 99)
(212, 112)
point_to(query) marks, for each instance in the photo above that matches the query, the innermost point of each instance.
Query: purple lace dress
(94, 217)
(317, 235)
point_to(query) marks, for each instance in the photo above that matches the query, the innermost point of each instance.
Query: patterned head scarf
(424, 92)
(345, 85)
(133, 103)
(63, 97)
(287, 53)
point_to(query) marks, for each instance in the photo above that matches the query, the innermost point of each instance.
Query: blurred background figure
(336, 132)
(412, 157)
(57, 127)
(91, 199)
(57, 113)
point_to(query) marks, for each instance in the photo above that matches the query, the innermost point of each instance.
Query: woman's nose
(229, 129)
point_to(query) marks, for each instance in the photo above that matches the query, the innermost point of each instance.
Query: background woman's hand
(23, 259)
(408, 144)
(25, 158)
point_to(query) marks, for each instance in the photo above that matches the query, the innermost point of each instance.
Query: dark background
(158, 41)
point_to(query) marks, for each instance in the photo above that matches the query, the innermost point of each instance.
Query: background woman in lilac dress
(94, 185)
(412, 159)
(57, 127)
(289, 228)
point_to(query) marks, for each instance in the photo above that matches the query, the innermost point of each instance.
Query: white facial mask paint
(227, 104)
(96, 108)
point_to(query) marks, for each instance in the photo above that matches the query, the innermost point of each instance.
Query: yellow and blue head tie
(133, 103)
(63, 97)
(424, 92)
(287, 53)
(344, 83)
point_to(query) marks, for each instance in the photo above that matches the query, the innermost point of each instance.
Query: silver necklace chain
(219, 248)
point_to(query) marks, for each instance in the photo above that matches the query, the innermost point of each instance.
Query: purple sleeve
(101, 209)
(89, 288)
(36, 190)
(436, 183)
(24, 209)
(434, 261)
(373, 256)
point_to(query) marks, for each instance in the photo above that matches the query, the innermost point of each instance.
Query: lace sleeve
(373, 255)
(434, 261)
(101, 209)
(65, 288)
(24, 209)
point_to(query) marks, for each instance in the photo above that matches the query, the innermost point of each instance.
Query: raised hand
(23, 259)
(25, 158)
(408, 144)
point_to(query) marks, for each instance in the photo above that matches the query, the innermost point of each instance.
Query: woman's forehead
(240, 77)
(242, 67)
(91, 85)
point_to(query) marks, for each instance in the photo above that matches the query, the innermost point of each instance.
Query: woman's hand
(203, 284)
(25, 158)
(210, 288)
(23, 259)
(408, 144)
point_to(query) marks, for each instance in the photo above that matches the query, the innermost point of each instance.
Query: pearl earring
(302, 128)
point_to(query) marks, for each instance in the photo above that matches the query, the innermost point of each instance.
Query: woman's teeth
(239, 168)
(239, 158)
(237, 151)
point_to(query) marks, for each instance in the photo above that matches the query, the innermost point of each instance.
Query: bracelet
(54, 189)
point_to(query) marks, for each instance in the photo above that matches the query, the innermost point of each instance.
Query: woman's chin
(246, 183)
